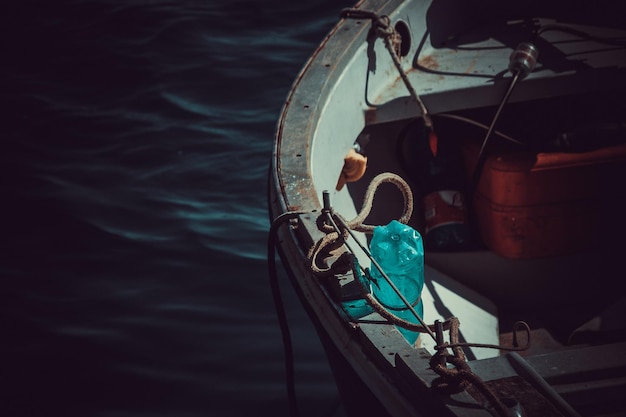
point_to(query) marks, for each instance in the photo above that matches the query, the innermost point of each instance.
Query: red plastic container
(536, 205)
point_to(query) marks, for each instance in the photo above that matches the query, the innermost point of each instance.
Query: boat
(519, 312)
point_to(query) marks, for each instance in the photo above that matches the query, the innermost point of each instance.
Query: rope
(334, 240)
(393, 40)
(450, 380)
(457, 379)
(280, 310)
(357, 223)
(336, 237)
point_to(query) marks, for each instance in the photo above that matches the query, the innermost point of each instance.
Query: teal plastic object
(399, 250)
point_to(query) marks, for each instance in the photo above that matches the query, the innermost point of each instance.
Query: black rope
(280, 309)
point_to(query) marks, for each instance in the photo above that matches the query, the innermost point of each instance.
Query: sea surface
(136, 138)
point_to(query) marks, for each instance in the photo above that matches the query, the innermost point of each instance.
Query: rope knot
(383, 26)
(382, 23)
(324, 225)
(329, 243)
(336, 227)
(393, 42)
(450, 380)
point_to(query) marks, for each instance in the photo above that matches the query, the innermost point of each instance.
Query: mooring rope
(335, 239)
(337, 230)
(280, 310)
(459, 378)
(393, 40)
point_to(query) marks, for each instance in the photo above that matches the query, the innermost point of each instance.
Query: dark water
(136, 137)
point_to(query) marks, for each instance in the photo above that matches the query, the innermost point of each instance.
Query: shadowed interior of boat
(567, 299)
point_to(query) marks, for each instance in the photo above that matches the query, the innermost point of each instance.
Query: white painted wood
(443, 297)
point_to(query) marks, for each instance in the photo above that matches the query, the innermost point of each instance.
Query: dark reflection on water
(136, 139)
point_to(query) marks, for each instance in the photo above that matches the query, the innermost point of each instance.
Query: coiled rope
(335, 239)
(337, 230)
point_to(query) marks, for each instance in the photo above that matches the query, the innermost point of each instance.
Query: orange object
(535, 205)
(354, 165)
(432, 142)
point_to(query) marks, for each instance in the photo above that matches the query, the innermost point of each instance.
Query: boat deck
(555, 295)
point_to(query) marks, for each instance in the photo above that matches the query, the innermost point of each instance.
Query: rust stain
(429, 62)
(471, 66)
